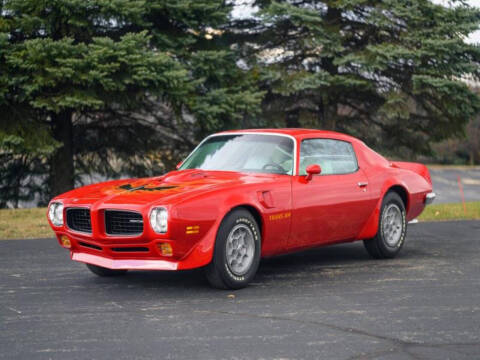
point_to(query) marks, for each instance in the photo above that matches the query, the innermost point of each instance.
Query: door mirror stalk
(311, 170)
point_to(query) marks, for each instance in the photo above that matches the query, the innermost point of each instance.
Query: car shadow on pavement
(344, 259)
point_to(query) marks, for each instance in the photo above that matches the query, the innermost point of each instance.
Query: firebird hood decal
(177, 185)
(165, 186)
(129, 187)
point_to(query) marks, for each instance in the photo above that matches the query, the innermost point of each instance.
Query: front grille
(119, 222)
(78, 219)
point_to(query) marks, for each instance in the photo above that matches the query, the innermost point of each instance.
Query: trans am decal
(280, 216)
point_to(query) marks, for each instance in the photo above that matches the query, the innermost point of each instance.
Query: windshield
(244, 153)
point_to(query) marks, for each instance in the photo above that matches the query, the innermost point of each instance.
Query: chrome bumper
(123, 264)
(429, 198)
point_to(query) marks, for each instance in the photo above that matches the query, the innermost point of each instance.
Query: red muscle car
(240, 196)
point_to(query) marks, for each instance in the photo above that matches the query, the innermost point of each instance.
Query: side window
(334, 156)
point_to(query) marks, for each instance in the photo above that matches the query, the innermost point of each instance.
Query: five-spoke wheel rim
(240, 249)
(392, 225)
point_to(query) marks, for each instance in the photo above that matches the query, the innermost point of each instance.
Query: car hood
(169, 188)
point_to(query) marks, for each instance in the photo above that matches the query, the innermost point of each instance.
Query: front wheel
(392, 229)
(237, 251)
(101, 271)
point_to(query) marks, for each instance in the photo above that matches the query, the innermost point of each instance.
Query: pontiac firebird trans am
(240, 196)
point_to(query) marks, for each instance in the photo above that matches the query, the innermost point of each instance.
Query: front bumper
(429, 198)
(124, 264)
(140, 253)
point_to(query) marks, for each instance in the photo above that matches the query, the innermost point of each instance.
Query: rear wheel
(237, 251)
(392, 229)
(101, 271)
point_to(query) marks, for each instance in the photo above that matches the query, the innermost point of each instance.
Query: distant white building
(471, 81)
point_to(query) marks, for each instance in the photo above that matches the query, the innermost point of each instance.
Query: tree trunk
(61, 163)
(331, 123)
(292, 118)
(327, 114)
(328, 105)
(292, 113)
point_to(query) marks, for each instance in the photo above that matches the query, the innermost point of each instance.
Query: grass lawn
(443, 212)
(32, 223)
(24, 223)
(452, 167)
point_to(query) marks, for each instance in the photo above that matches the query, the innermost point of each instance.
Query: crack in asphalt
(329, 303)
(399, 345)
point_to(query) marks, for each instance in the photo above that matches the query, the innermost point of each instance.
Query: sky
(244, 9)
(474, 37)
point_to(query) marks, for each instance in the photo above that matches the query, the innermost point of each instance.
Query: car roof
(297, 133)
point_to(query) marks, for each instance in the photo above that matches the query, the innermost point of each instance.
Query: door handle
(362, 184)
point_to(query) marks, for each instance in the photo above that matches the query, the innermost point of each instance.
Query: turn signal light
(65, 241)
(165, 249)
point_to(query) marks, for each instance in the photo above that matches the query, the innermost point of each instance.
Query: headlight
(55, 213)
(159, 220)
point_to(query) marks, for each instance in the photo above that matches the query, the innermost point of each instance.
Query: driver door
(331, 206)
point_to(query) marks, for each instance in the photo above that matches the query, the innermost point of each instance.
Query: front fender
(211, 213)
(202, 253)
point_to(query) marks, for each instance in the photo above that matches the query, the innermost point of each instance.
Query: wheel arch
(252, 210)
(402, 192)
(371, 227)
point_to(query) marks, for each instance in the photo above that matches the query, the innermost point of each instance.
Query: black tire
(101, 271)
(219, 273)
(378, 247)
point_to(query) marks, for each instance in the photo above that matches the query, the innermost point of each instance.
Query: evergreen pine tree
(67, 60)
(387, 71)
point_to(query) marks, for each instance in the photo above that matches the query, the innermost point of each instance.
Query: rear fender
(371, 227)
(418, 168)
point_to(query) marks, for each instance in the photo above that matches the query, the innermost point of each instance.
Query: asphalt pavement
(446, 184)
(329, 303)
